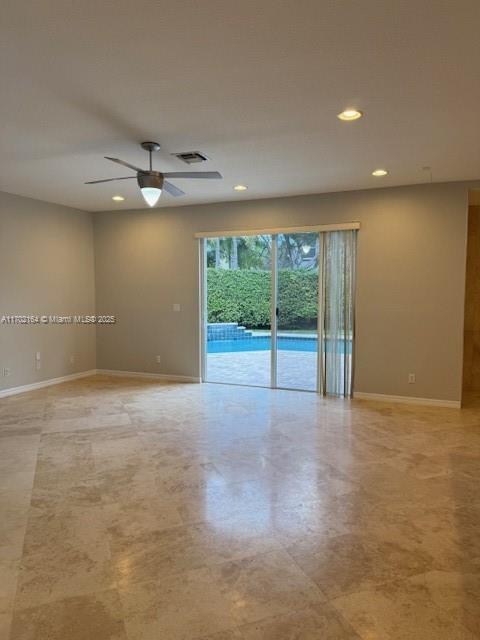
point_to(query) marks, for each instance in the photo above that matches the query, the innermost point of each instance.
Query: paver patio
(296, 369)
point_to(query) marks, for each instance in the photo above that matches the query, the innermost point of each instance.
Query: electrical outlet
(7, 371)
(158, 359)
(72, 359)
(38, 361)
(411, 378)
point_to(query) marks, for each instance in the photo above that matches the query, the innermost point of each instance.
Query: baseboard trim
(153, 376)
(429, 402)
(358, 395)
(12, 391)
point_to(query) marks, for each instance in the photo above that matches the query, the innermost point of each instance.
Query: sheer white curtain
(337, 322)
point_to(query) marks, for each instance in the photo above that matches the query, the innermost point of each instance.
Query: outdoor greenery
(243, 296)
(295, 251)
(239, 280)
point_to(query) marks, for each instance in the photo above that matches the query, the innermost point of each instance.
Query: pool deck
(296, 369)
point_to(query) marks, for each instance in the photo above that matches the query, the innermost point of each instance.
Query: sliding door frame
(273, 312)
(321, 382)
(203, 308)
(274, 232)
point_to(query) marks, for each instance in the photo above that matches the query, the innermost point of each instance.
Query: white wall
(46, 267)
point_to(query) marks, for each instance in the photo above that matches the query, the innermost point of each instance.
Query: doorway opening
(471, 344)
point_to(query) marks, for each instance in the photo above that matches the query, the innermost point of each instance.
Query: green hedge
(244, 296)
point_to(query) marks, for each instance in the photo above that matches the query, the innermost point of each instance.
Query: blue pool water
(263, 343)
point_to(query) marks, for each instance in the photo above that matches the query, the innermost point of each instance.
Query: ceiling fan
(152, 182)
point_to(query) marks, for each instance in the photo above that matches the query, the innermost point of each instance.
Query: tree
(234, 254)
(297, 251)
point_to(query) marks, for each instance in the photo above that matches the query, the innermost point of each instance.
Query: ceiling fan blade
(109, 180)
(208, 175)
(172, 189)
(125, 164)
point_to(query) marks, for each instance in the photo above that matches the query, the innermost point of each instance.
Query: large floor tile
(265, 585)
(96, 616)
(402, 611)
(184, 606)
(65, 553)
(351, 562)
(319, 621)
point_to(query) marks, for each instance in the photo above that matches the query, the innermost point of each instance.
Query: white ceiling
(255, 85)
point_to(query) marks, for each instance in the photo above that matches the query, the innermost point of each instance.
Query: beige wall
(46, 267)
(410, 292)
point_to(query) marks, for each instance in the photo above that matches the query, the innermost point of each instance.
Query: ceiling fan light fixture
(151, 195)
(151, 187)
(152, 182)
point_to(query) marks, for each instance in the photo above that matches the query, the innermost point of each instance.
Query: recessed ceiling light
(379, 172)
(118, 198)
(350, 114)
(240, 187)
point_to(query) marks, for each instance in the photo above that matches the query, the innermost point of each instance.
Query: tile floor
(132, 510)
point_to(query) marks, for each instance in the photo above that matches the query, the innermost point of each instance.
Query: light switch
(176, 306)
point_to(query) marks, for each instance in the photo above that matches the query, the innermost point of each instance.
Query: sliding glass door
(278, 309)
(238, 279)
(297, 310)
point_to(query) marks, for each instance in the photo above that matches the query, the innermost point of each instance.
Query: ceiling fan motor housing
(152, 179)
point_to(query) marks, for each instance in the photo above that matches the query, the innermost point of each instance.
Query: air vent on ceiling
(191, 157)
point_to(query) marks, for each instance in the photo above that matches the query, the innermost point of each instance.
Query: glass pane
(297, 310)
(238, 277)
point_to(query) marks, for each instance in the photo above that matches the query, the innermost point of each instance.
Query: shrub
(297, 299)
(239, 296)
(243, 296)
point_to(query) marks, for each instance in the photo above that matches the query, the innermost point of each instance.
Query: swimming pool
(264, 343)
